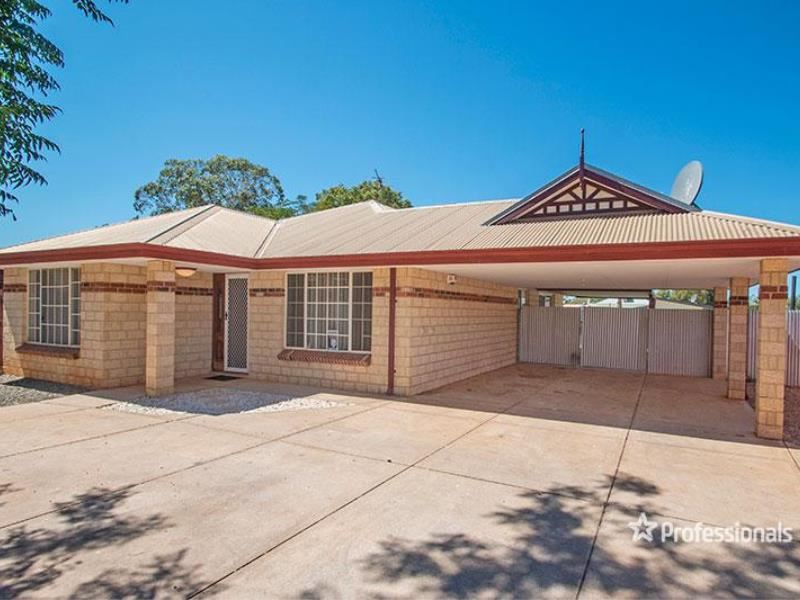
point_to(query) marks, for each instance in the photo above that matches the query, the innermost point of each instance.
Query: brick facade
(771, 368)
(160, 346)
(452, 331)
(268, 331)
(145, 325)
(719, 352)
(112, 345)
(193, 313)
(737, 336)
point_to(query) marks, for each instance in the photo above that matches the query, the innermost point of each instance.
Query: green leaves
(242, 185)
(373, 189)
(25, 55)
(231, 182)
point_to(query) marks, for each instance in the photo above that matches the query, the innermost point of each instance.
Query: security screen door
(236, 323)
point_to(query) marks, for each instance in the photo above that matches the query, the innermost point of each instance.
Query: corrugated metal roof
(227, 232)
(372, 228)
(136, 230)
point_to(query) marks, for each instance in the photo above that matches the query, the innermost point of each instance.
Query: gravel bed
(220, 401)
(21, 390)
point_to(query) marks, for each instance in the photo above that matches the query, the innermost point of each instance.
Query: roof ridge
(247, 213)
(267, 239)
(319, 212)
(465, 203)
(179, 228)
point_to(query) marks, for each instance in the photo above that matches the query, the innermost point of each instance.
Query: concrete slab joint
(771, 367)
(160, 354)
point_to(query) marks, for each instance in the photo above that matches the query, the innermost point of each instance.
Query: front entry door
(236, 297)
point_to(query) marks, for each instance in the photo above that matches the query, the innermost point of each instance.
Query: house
(374, 299)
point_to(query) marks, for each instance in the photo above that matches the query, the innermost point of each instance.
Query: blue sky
(450, 101)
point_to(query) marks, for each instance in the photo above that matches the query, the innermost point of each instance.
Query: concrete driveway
(519, 483)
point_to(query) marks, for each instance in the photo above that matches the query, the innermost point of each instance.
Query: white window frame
(71, 282)
(305, 312)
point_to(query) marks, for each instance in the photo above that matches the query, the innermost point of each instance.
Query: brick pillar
(771, 371)
(160, 356)
(737, 338)
(531, 297)
(719, 354)
(558, 300)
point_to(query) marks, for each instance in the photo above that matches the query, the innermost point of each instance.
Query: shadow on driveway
(33, 558)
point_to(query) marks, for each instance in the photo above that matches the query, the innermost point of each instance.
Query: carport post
(771, 368)
(719, 353)
(737, 338)
(160, 341)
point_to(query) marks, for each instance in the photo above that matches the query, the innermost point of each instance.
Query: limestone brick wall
(719, 352)
(446, 333)
(193, 324)
(771, 374)
(737, 344)
(112, 344)
(267, 336)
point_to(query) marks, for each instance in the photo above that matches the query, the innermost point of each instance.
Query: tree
(371, 189)
(231, 182)
(25, 55)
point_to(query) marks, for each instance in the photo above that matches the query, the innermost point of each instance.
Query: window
(54, 307)
(329, 311)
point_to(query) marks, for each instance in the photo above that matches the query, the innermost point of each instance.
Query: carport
(672, 342)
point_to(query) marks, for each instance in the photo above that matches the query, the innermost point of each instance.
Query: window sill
(55, 351)
(359, 359)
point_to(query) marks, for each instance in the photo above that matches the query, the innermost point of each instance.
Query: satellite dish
(688, 182)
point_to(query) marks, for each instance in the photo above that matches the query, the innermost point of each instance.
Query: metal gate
(236, 323)
(550, 335)
(670, 342)
(614, 338)
(679, 342)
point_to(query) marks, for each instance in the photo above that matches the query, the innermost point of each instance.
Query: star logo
(643, 528)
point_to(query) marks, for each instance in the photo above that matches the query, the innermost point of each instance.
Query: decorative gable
(586, 191)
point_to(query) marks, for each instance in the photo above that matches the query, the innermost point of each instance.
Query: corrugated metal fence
(671, 342)
(614, 338)
(680, 342)
(550, 336)
(792, 350)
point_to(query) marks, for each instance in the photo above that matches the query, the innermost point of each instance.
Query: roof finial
(582, 165)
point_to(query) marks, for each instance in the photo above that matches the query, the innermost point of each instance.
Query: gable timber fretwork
(596, 201)
(586, 192)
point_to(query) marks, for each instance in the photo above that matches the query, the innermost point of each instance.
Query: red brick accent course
(41, 350)
(11, 288)
(739, 301)
(194, 291)
(330, 358)
(161, 286)
(773, 292)
(415, 292)
(110, 286)
(266, 292)
(720, 304)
